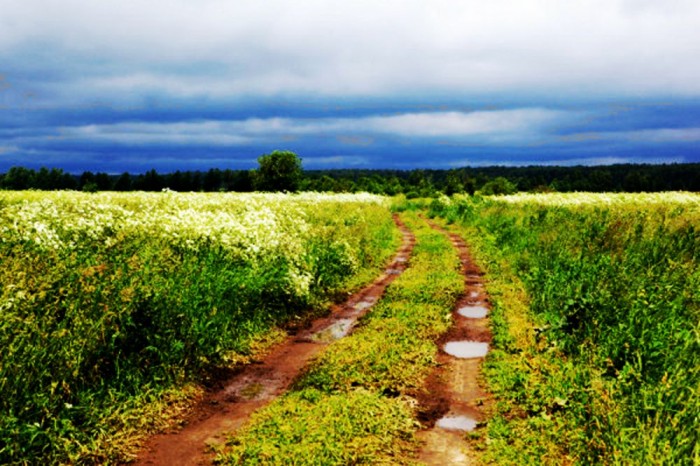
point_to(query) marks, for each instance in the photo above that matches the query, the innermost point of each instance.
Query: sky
(128, 85)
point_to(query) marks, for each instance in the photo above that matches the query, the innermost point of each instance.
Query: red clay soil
(453, 388)
(227, 408)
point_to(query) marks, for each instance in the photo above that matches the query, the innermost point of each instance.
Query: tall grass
(109, 301)
(610, 364)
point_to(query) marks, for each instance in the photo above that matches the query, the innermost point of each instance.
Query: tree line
(414, 183)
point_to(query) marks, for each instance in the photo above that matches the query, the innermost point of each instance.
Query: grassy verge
(595, 317)
(353, 405)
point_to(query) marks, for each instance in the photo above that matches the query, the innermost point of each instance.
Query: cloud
(482, 126)
(348, 161)
(540, 162)
(663, 135)
(653, 136)
(205, 133)
(515, 136)
(356, 140)
(505, 122)
(73, 50)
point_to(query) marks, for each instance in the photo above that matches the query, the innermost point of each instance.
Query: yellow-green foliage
(360, 384)
(107, 297)
(357, 427)
(596, 315)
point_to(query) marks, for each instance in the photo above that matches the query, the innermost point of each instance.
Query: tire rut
(256, 385)
(454, 396)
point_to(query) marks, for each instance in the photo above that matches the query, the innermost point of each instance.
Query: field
(116, 310)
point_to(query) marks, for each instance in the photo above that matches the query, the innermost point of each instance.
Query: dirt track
(225, 409)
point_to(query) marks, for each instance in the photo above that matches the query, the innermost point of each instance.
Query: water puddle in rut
(335, 331)
(473, 312)
(464, 423)
(466, 349)
(364, 304)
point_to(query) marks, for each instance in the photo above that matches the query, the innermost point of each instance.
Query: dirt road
(254, 386)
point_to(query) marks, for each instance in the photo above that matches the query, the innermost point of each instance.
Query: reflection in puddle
(473, 312)
(466, 349)
(457, 423)
(473, 294)
(335, 331)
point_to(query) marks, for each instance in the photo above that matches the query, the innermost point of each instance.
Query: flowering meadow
(109, 298)
(596, 322)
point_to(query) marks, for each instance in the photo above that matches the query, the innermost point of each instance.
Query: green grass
(354, 427)
(596, 355)
(353, 404)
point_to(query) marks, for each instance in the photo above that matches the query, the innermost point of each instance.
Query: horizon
(119, 87)
(351, 169)
(354, 169)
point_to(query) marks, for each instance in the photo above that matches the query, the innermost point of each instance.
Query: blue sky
(175, 85)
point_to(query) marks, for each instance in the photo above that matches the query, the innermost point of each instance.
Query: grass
(355, 427)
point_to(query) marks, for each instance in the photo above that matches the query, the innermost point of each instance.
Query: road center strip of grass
(353, 404)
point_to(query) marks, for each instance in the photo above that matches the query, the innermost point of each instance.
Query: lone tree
(499, 185)
(278, 171)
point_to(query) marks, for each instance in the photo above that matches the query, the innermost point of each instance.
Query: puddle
(335, 331)
(473, 312)
(401, 260)
(252, 390)
(362, 305)
(473, 294)
(392, 271)
(466, 349)
(464, 423)
(473, 276)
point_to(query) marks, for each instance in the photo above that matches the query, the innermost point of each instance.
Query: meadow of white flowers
(251, 227)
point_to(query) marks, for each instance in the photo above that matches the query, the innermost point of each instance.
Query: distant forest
(414, 183)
